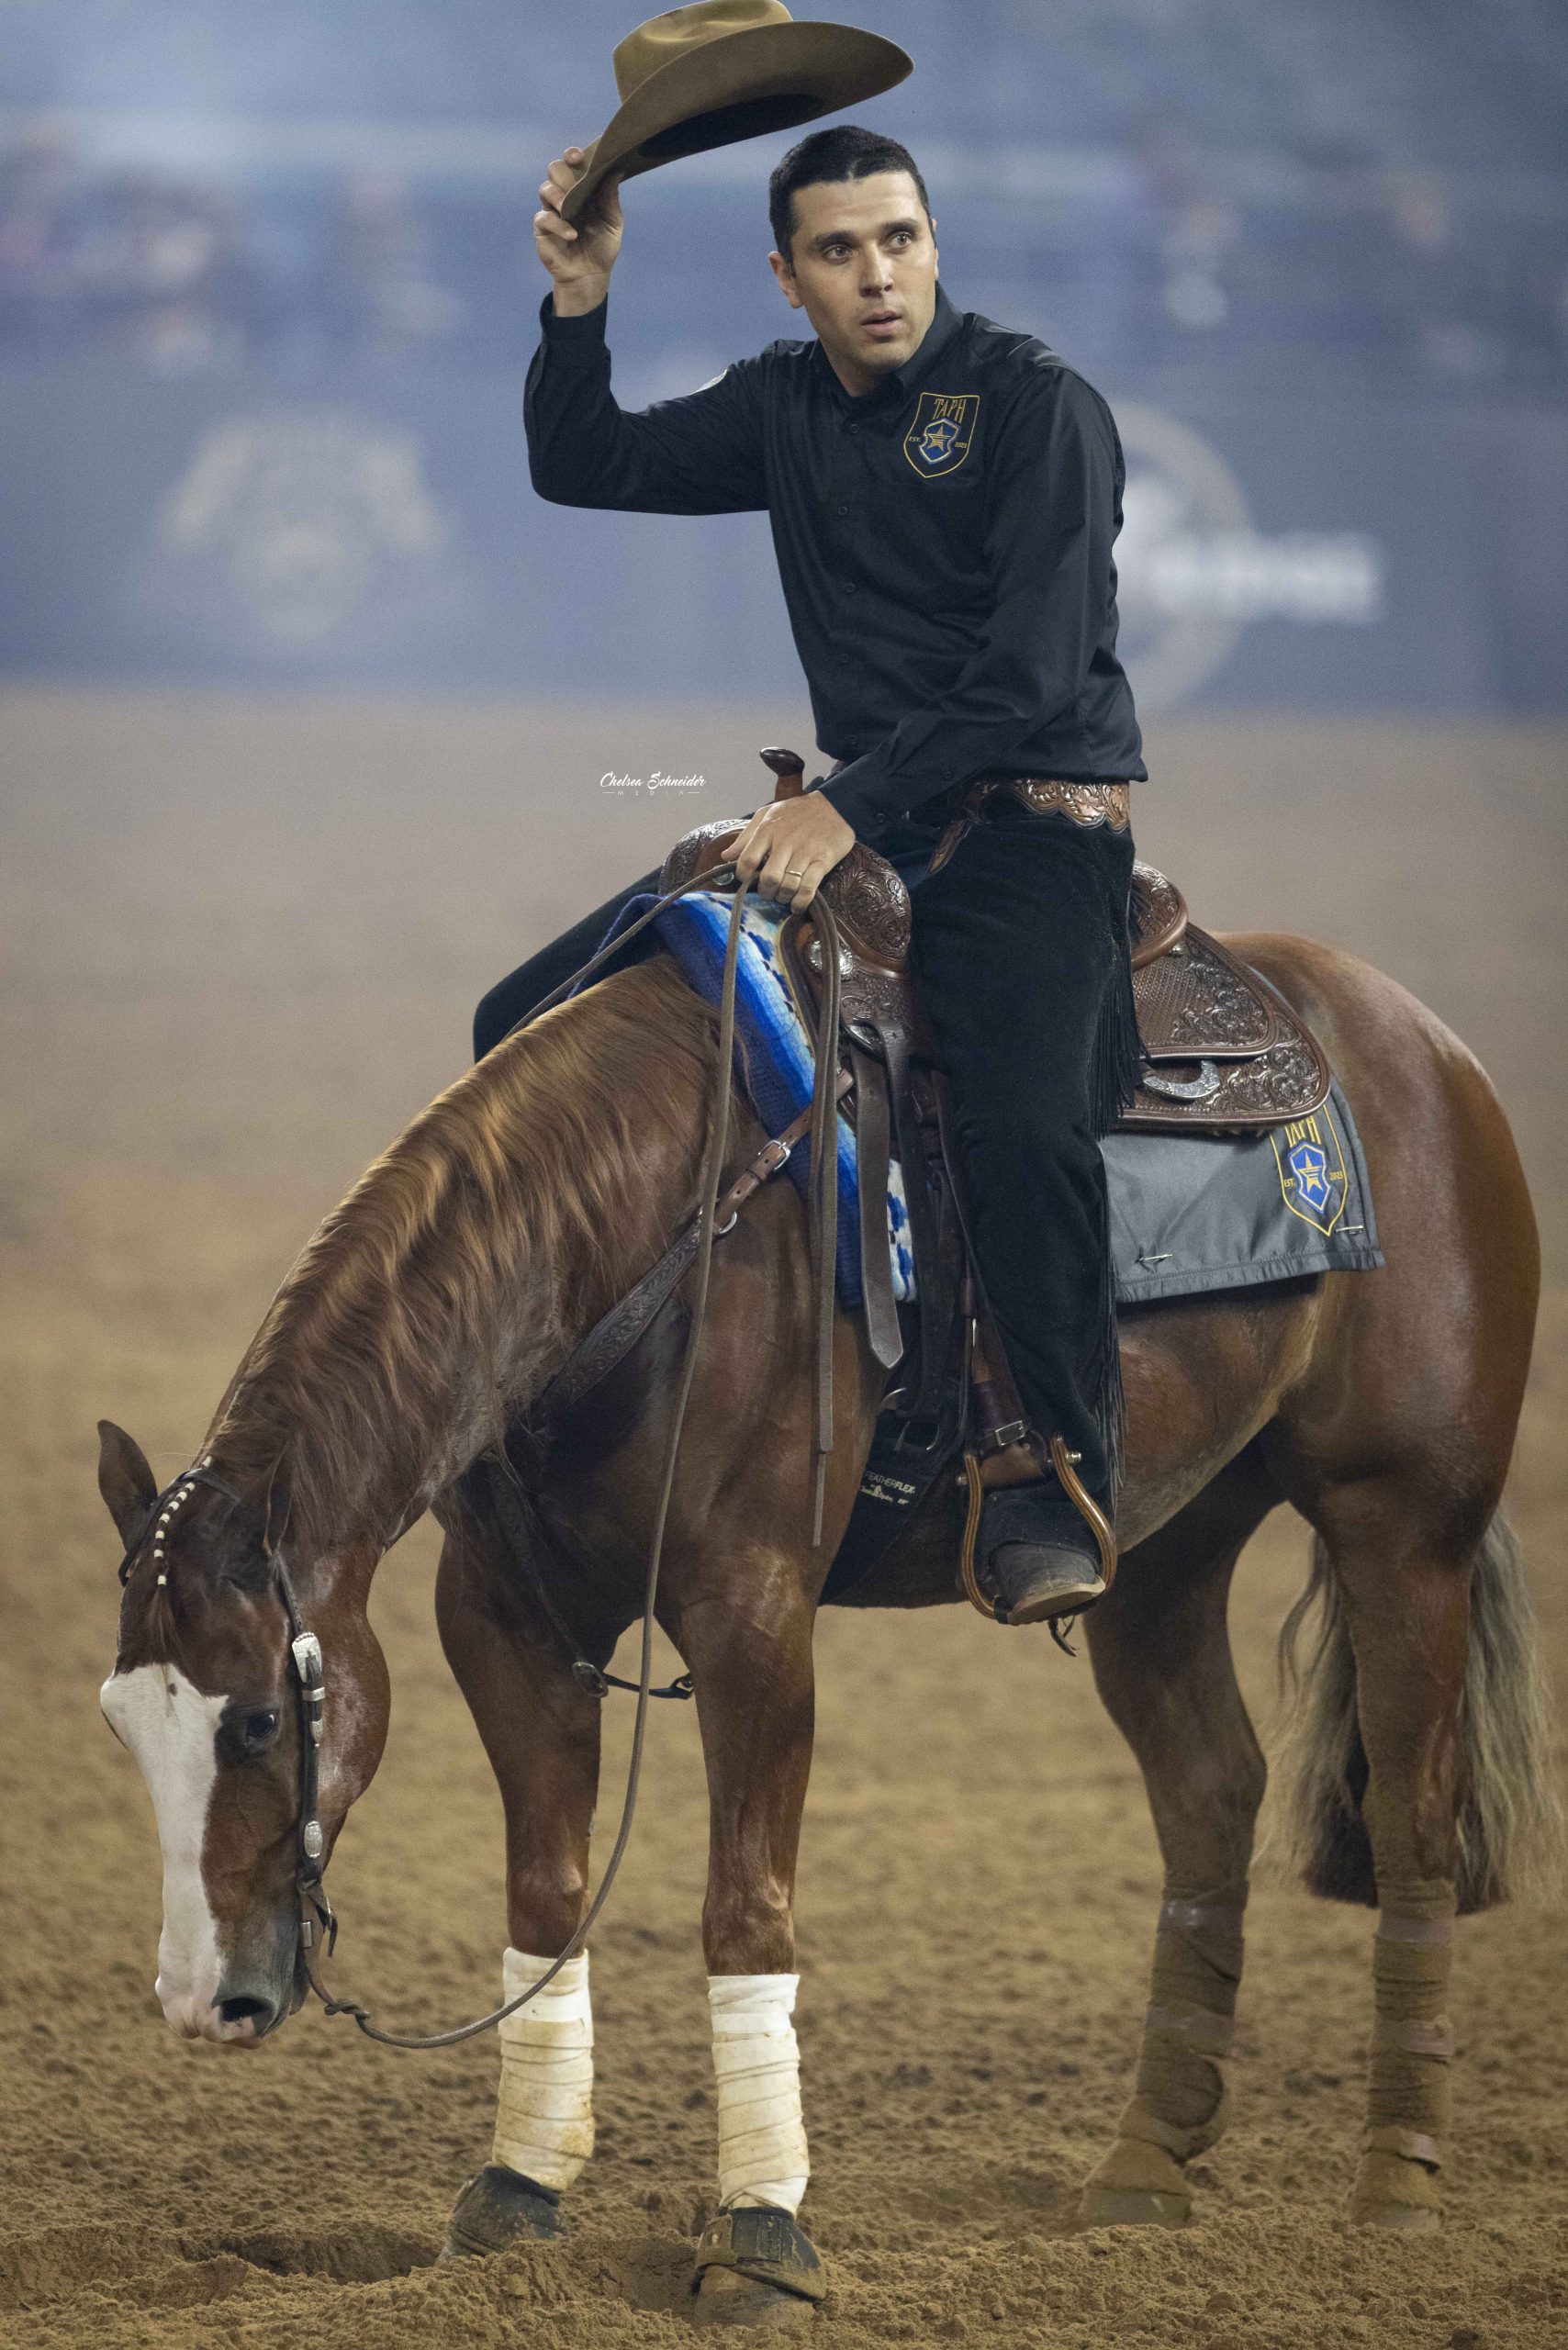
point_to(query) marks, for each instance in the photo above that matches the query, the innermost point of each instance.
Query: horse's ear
(125, 1481)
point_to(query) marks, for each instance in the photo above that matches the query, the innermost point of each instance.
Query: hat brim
(769, 78)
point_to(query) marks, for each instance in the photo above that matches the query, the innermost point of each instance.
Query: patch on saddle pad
(1190, 1213)
(1196, 1214)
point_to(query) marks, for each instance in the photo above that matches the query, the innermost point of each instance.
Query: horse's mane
(530, 1194)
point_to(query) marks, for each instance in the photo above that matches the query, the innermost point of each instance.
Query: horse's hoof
(725, 2297)
(497, 2209)
(1131, 2207)
(1136, 2185)
(756, 2266)
(1413, 2218)
(1393, 2192)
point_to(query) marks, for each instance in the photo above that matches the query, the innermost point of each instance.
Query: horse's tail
(1511, 1828)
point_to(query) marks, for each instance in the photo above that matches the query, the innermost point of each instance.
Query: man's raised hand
(579, 258)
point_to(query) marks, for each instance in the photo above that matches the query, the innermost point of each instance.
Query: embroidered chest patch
(943, 430)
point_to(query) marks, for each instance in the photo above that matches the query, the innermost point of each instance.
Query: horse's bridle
(317, 1922)
(305, 1655)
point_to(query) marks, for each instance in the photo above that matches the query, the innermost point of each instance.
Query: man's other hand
(787, 846)
(579, 258)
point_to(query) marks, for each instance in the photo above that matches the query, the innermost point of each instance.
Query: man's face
(863, 268)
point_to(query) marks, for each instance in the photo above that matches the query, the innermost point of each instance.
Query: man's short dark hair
(844, 151)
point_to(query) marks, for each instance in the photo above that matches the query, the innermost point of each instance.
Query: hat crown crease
(679, 31)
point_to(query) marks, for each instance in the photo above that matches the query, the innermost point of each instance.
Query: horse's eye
(257, 1732)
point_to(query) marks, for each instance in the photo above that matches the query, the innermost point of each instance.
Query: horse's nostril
(236, 2010)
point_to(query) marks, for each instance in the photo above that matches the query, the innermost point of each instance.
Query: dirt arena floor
(243, 942)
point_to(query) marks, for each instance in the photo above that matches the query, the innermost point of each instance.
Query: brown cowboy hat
(720, 70)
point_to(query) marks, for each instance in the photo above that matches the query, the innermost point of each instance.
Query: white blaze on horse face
(172, 1730)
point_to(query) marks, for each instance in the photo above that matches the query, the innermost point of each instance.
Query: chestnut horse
(462, 1270)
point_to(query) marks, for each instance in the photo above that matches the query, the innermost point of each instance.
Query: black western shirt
(944, 541)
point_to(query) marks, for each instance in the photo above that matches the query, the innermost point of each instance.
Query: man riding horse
(954, 488)
(944, 494)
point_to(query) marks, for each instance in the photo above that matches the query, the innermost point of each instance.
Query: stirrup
(1064, 1464)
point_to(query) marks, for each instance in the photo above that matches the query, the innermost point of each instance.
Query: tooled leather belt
(1086, 803)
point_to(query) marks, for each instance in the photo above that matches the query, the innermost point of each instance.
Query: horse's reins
(317, 1920)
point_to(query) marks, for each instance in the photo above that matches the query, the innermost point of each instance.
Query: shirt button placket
(847, 586)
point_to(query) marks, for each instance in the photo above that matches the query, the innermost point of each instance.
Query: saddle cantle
(1224, 1051)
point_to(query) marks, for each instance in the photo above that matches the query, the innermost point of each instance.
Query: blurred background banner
(268, 293)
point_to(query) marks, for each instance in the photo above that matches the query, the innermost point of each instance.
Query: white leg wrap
(762, 2139)
(545, 2120)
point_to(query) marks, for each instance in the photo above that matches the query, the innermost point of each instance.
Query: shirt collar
(946, 320)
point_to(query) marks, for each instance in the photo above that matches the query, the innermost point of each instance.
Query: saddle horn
(789, 767)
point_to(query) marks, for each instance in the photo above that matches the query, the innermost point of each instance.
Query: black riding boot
(1039, 1553)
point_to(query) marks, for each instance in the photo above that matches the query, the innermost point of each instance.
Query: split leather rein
(317, 1926)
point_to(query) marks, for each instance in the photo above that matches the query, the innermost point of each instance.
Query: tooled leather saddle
(1222, 1052)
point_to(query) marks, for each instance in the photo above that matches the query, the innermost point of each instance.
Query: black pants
(1020, 942)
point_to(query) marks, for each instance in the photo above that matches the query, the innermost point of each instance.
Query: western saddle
(1224, 1052)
